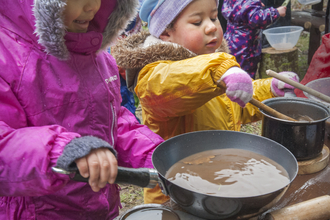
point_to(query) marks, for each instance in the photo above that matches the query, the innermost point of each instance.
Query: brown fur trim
(125, 12)
(129, 52)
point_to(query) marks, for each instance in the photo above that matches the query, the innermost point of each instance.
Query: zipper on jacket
(112, 124)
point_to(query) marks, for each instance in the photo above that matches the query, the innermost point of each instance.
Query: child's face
(198, 28)
(78, 14)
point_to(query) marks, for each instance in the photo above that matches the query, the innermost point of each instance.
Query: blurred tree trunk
(278, 61)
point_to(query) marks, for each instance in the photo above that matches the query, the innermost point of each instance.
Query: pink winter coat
(55, 86)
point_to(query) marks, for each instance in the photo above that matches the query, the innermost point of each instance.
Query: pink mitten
(239, 85)
(279, 88)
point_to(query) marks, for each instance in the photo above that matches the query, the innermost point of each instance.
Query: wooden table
(303, 188)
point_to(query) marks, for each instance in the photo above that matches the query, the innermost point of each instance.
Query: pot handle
(143, 177)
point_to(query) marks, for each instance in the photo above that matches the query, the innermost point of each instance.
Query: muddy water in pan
(228, 173)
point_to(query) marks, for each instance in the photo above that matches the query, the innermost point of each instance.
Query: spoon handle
(270, 110)
(262, 106)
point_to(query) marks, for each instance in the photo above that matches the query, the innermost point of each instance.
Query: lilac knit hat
(160, 13)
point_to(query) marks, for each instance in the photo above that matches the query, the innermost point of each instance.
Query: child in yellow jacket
(175, 71)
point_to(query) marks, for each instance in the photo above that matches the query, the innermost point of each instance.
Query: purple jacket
(245, 20)
(55, 86)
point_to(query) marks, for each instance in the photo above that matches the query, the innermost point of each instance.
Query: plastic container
(283, 38)
(309, 2)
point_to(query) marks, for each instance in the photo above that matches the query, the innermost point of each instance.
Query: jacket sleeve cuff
(80, 147)
(224, 67)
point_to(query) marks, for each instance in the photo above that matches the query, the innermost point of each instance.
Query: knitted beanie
(160, 13)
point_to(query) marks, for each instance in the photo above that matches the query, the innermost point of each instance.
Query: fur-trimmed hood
(138, 50)
(41, 22)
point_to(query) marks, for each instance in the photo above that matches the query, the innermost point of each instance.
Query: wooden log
(313, 209)
(307, 24)
(278, 60)
(316, 164)
(312, 21)
(299, 18)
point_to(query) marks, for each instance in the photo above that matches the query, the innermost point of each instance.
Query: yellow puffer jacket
(178, 93)
(181, 96)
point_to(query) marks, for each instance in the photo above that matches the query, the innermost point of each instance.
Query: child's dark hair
(170, 26)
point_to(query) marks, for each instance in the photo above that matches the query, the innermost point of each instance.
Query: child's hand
(100, 165)
(282, 11)
(94, 157)
(239, 85)
(279, 88)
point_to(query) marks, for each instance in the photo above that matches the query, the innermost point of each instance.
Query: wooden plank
(314, 209)
(316, 164)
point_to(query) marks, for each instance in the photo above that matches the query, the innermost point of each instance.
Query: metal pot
(209, 206)
(305, 139)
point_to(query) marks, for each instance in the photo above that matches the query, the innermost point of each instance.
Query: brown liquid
(152, 214)
(228, 173)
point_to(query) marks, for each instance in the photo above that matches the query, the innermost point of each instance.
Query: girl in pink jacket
(60, 105)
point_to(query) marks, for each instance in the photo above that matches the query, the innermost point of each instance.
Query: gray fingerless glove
(80, 147)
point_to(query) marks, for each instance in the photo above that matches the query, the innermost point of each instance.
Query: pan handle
(143, 177)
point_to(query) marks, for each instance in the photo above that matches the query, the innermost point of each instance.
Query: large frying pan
(203, 205)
